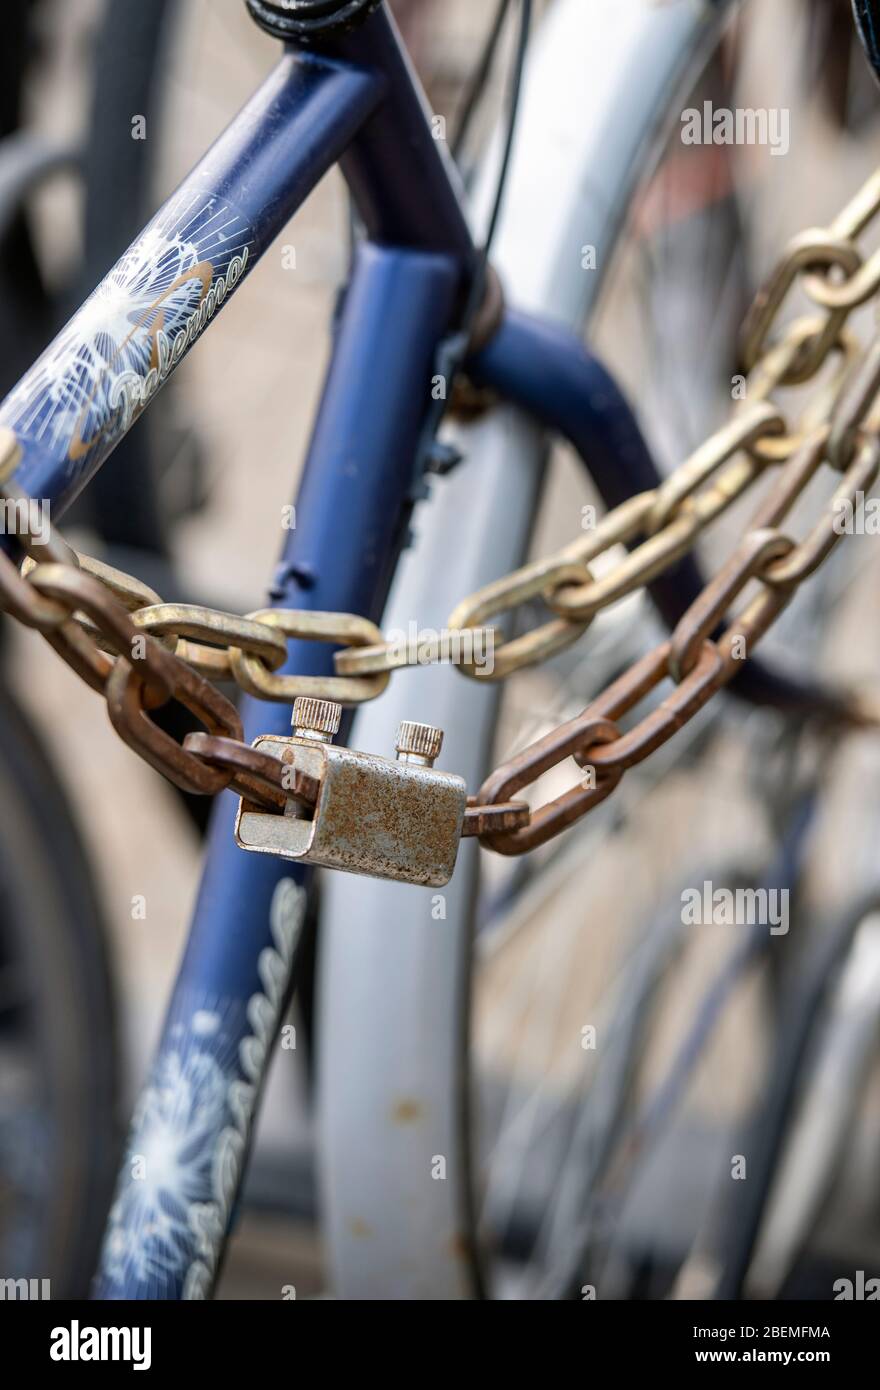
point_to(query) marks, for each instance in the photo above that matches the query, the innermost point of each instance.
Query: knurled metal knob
(418, 743)
(315, 718)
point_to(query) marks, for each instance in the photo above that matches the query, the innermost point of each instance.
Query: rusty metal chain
(139, 652)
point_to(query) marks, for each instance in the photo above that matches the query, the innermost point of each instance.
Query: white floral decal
(109, 361)
(191, 1131)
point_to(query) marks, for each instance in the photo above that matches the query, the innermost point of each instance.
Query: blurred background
(191, 503)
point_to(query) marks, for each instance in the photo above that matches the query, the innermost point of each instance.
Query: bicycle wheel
(124, 500)
(58, 1074)
(827, 1048)
(421, 1012)
(28, 315)
(58, 1054)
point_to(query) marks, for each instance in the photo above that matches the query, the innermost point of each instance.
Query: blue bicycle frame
(354, 102)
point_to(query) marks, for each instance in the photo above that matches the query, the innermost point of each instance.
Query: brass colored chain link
(140, 652)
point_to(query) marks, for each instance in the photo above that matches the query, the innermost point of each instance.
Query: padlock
(382, 817)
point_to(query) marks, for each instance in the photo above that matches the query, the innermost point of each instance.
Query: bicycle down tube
(88, 388)
(166, 1231)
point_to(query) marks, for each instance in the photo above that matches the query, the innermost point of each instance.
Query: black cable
(478, 81)
(454, 349)
(515, 93)
(475, 297)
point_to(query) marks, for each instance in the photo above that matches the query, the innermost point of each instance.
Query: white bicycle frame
(394, 999)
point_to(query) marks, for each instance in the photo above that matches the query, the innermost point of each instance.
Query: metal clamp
(387, 819)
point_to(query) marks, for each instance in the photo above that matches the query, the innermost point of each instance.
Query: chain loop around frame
(140, 652)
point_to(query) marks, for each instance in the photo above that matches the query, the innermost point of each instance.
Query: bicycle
(419, 303)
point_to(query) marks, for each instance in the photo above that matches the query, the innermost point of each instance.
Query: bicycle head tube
(308, 21)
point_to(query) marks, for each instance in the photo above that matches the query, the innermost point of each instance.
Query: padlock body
(374, 816)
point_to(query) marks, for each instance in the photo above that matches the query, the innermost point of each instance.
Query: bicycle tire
(123, 498)
(52, 925)
(766, 1134)
(29, 315)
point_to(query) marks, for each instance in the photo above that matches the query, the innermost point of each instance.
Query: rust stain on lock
(407, 1112)
(374, 816)
(460, 1246)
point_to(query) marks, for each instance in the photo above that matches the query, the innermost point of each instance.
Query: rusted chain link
(115, 633)
(140, 652)
(697, 665)
(669, 520)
